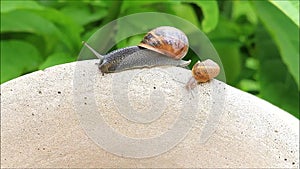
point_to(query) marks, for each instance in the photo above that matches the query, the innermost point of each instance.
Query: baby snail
(203, 72)
(162, 46)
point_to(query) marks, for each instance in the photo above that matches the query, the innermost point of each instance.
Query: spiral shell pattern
(166, 40)
(205, 71)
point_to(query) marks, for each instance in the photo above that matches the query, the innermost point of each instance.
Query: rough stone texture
(41, 114)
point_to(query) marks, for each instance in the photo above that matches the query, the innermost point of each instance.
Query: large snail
(162, 46)
(203, 72)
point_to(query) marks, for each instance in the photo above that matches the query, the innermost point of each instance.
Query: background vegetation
(258, 41)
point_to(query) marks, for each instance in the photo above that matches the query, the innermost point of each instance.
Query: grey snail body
(163, 46)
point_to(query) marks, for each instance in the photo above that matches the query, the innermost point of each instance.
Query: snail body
(203, 72)
(163, 46)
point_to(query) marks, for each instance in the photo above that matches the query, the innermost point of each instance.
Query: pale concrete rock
(57, 118)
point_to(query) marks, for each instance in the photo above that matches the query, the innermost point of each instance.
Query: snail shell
(203, 72)
(163, 46)
(166, 40)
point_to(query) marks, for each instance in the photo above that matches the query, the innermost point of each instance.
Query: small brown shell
(166, 40)
(205, 71)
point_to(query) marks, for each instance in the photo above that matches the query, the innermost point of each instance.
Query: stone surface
(72, 116)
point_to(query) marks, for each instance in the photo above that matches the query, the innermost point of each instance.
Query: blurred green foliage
(258, 41)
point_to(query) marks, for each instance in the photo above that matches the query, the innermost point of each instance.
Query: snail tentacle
(101, 57)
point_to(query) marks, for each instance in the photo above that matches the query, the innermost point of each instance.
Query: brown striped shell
(166, 40)
(206, 70)
(203, 72)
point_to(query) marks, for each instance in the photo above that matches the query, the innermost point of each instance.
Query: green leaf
(7, 6)
(241, 8)
(225, 39)
(252, 63)
(249, 85)
(82, 14)
(277, 84)
(18, 21)
(69, 31)
(134, 40)
(225, 30)
(210, 10)
(55, 59)
(186, 12)
(17, 58)
(89, 33)
(130, 7)
(284, 32)
(229, 53)
(289, 8)
(59, 32)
